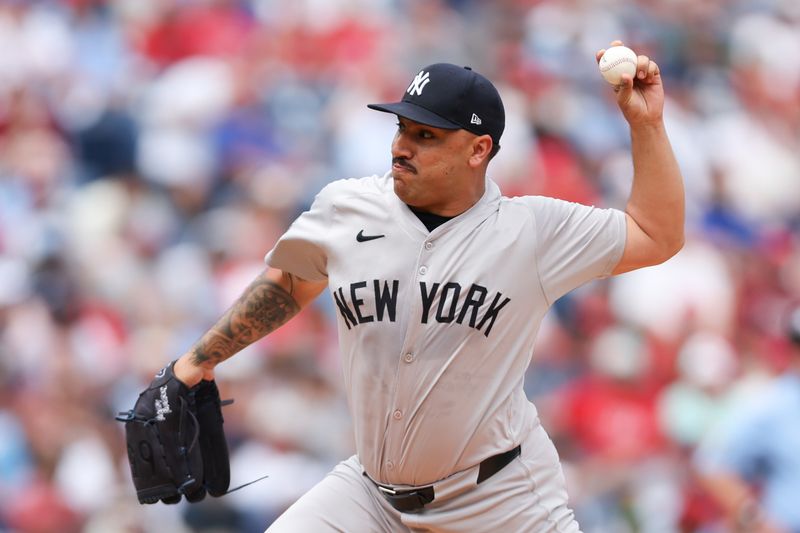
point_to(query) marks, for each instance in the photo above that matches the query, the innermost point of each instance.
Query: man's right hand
(190, 374)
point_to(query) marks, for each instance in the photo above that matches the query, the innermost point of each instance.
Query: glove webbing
(186, 451)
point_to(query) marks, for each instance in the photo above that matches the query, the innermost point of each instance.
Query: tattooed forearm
(263, 307)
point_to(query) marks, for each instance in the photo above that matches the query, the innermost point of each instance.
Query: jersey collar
(487, 204)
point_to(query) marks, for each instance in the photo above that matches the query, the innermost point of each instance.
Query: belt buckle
(386, 490)
(407, 501)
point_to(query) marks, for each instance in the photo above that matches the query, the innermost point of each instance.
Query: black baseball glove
(176, 442)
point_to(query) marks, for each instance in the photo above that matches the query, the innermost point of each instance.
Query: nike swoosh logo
(364, 238)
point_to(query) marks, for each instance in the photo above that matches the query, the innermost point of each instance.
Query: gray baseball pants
(528, 495)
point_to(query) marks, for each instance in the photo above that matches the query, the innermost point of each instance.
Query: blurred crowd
(151, 152)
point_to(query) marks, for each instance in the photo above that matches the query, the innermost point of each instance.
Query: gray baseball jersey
(436, 329)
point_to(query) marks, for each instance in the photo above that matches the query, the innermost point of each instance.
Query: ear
(481, 148)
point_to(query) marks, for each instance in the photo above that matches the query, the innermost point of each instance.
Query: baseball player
(440, 284)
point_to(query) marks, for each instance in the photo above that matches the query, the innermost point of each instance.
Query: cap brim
(416, 113)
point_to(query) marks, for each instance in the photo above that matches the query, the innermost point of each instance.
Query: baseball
(617, 61)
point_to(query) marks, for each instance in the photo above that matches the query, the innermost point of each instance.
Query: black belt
(412, 500)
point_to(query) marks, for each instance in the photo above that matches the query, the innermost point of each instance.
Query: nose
(400, 146)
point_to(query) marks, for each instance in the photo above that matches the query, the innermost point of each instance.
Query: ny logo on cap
(419, 83)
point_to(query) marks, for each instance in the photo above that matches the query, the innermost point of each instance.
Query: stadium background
(151, 151)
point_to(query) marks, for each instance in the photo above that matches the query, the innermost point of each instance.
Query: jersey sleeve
(575, 243)
(302, 249)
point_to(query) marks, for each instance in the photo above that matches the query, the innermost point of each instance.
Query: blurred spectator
(750, 463)
(699, 395)
(607, 422)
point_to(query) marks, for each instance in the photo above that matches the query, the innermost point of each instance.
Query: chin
(401, 190)
(399, 187)
(398, 182)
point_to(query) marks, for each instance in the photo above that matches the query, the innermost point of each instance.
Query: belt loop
(492, 465)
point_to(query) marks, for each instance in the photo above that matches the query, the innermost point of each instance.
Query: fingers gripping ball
(175, 440)
(616, 61)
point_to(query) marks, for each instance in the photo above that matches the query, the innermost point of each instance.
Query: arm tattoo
(261, 309)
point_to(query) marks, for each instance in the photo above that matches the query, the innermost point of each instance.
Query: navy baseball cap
(447, 96)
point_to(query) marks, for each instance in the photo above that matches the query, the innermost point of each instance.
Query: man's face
(429, 165)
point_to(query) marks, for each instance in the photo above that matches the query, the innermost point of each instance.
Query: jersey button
(428, 245)
(398, 414)
(389, 465)
(423, 270)
(408, 358)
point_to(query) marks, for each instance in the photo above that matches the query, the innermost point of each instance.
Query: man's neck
(430, 220)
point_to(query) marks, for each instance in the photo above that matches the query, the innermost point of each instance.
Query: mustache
(401, 161)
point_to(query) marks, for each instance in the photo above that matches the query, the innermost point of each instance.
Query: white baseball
(616, 61)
